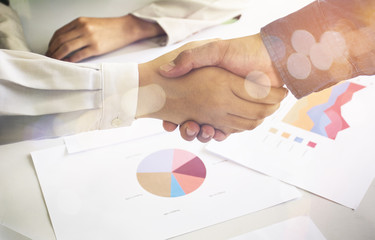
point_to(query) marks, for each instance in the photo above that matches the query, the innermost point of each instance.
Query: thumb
(209, 54)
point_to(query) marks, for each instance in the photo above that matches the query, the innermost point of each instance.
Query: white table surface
(333, 220)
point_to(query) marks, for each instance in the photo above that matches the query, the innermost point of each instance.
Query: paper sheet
(298, 228)
(101, 194)
(94, 139)
(330, 153)
(7, 234)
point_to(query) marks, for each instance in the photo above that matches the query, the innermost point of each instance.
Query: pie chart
(171, 173)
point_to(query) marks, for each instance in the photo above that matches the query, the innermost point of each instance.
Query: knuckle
(267, 111)
(95, 47)
(87, 28)
(186, 54)
(215, 46)
(185, 58)
(254, 124)
(81, 20)
(65, 48)
(59, 40)
(263, 113)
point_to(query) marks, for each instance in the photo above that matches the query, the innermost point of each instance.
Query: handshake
(219, 87)
(215, 88)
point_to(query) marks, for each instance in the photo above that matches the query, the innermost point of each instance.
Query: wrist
(142, 29)
(151, 94)
(276, 80)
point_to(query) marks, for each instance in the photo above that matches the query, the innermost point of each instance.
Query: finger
(58, 40)
(240, 124)
(66, 28)
(189, 130)
(81, 54)
(206, 133)
(220, 136)
(209, 54)
(250, 110)
(169, 126)
(222, 133)
(69, 47)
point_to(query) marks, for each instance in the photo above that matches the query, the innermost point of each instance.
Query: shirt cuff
(180, 19)
(120, 94)
(293, 43)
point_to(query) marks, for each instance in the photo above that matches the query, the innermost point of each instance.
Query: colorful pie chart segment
(171, 173)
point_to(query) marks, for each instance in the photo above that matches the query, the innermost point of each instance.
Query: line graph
(320, 112)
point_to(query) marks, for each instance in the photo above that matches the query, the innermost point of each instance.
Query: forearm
(322, 44)
(42, 97)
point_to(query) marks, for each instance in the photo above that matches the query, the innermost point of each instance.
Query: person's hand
(208, 95)
(242, 56)
(87, 37)
(204, 133)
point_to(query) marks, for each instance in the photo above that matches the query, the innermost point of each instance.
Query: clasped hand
(210, 98)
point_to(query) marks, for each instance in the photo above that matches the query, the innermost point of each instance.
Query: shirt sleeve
(323, 43)
(182, 18)
(41, 97)
(11, 33)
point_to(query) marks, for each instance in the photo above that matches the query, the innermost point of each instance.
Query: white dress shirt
(41, 97)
